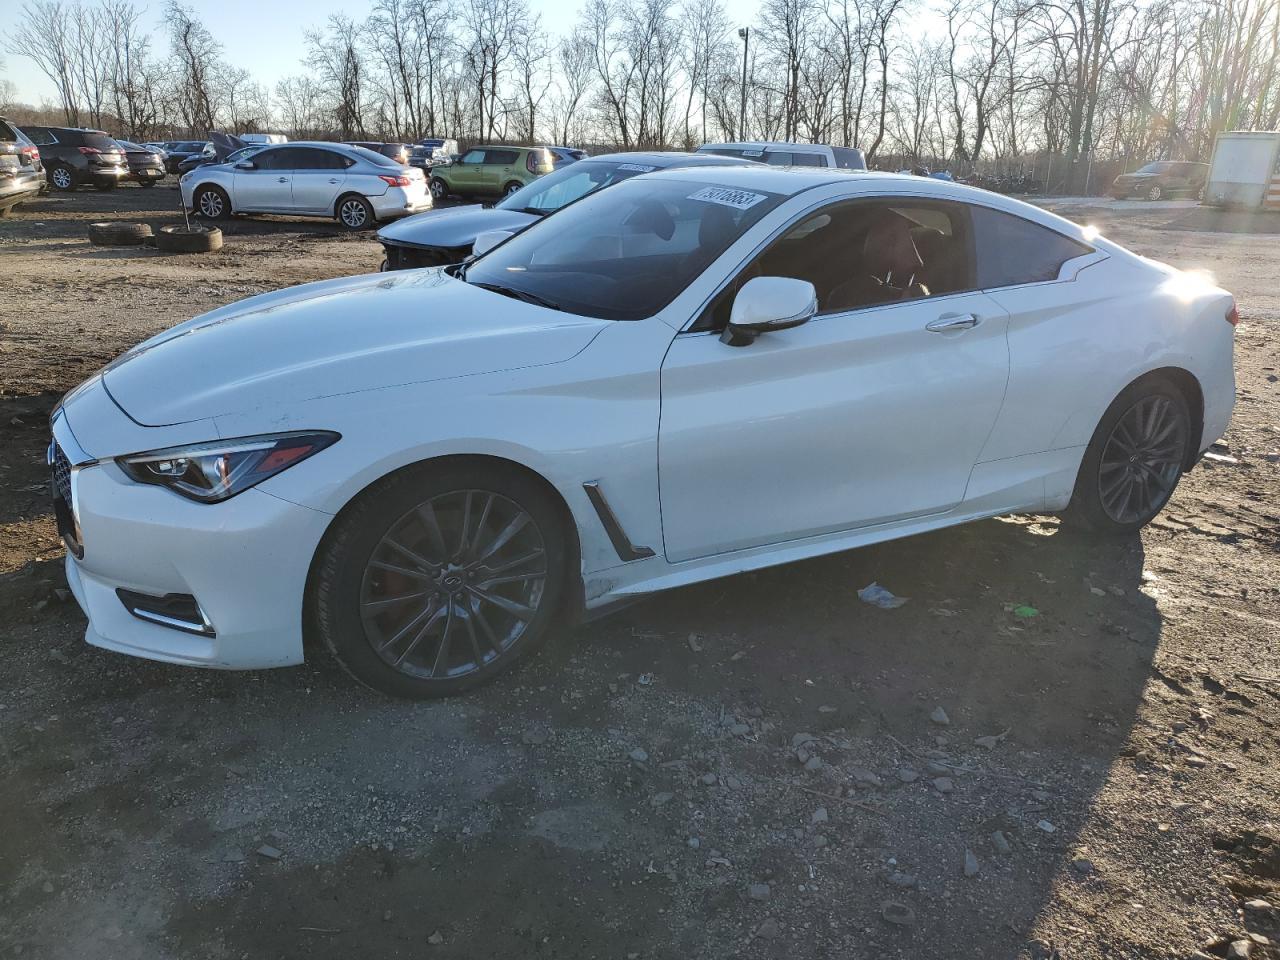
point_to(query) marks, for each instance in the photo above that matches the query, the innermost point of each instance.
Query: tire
(198, 239)
(354, 212)
(146, 184)
(511, 188)
(211, 203)
(1155, 192)
(61, 178)
(119, 234)
(384, 642)
(1104, 464)
(439, 189)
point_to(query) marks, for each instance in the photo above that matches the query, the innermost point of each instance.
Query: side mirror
(765, 304)
(486, 241)
(246, 165)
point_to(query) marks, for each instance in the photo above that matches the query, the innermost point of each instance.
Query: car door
(497, 170)
(465, 175)
(319, 177)
(1058, 332)
(859, 417)
(268, 186)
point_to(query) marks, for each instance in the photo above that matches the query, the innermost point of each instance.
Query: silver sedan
(355, 186)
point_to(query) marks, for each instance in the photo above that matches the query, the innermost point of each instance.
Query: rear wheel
(354, 212)
(511, 188)
(439, 579)
(1135, 459)
(439, 189)
(61, 178)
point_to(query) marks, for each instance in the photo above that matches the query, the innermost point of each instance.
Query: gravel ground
(761, 766)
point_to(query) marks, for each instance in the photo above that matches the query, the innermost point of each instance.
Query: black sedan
(446, 236)
(146, 164)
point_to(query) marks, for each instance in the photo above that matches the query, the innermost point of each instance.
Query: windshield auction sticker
(637, 167)
(738, 199)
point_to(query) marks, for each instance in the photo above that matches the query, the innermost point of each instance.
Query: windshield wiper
(536, 211)
(515, 294)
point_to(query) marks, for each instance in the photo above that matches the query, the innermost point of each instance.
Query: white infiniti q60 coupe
(689, 375)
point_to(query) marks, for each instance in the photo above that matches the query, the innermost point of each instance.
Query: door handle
(953, 323)
(283, 180)
(335, 181)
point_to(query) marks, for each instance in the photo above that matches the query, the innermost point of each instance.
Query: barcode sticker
(738, 199)
(637, 167)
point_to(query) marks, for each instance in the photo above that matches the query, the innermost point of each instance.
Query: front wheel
(1134, 461)
(439, 189)
(1155, 192)
(211, 203)
(438, 579)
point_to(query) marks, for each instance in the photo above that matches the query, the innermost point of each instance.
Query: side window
(778, 158)
(40, 137)
(501, 158)
(473, 156)
(808, 160)
(1011, 250)
(283, 159)
(7, 132)
(863, 254)
(309, 158)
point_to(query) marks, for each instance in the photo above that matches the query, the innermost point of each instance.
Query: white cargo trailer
(1246, 170)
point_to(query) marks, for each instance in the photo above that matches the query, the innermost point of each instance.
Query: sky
(266, 38)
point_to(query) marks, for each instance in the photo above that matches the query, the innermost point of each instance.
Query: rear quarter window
(1010, 250)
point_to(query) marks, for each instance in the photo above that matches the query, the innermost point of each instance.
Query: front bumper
(245, 561)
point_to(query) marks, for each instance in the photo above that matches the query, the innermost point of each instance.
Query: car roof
(671, 158)
(768, 144)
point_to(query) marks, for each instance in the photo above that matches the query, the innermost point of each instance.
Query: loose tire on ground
(1155, 400)
(365, 590)
(110, 234)
(199, 239)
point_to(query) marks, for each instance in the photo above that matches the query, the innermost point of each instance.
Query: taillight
(1233, 315)
(32, 152)
(395, 181)
(88, 150)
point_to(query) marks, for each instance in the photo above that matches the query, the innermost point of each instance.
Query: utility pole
(745, 34)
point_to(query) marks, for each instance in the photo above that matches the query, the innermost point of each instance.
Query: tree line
(999, 81)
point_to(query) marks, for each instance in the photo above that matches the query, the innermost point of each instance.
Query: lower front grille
(63, 504)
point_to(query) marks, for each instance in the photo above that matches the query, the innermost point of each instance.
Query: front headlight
(218, 470)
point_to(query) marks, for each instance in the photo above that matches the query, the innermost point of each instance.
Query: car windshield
(553, 191)
(1160, 166)
(235, 156)
(622, 254)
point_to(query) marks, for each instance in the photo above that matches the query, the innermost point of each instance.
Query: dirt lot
(1108, 768)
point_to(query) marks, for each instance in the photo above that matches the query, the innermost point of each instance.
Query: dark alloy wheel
(1132, 466)
(1142, 460)
(438, 582)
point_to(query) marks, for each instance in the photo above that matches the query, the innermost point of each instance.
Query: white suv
(355, 186)
(778, 153)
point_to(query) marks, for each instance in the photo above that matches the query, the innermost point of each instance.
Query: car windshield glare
(623, 253)
(555, 190)
(1160, 166)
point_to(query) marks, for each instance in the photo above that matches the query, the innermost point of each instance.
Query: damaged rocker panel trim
(622, 545)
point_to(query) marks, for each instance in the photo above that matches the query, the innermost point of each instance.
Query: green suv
(493, 171)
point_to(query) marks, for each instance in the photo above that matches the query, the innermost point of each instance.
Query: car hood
(452, 227)
(336, 336)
